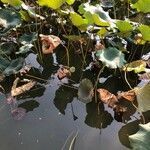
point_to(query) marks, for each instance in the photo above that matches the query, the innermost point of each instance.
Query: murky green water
(54, 112)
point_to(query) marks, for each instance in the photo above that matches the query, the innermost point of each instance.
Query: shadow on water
(52, 101)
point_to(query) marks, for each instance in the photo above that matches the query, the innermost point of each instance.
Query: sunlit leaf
(145, 31)
(54, 4)
(111, 57)
(143, 97)
(77, 20)
(142, 5)
(70, 2)
(98, 21)
(140, 140)
(13, 2)
(124, 26)
(136, 66)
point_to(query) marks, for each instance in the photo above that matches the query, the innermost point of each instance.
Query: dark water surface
(53, 113)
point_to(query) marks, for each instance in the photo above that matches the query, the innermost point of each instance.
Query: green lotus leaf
(111, 57)
(6, 48)
(4, 63)
(142, 6)
(136, 66)
(98, 21)
(15, 3)
(70, 2)
(77, 20)
(9, 19)
(141, 140)
(145, 31)
(124, 26)
(25, 49)
(143, 97)
(28, 38)
(54, 4)
(14, 66)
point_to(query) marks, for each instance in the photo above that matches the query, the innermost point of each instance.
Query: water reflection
(97, 116)
(29, 105)
(63, 96)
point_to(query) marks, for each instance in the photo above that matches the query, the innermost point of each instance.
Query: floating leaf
(85, 91)
(49, 43)
(124, 26)
(136, 66)
(142, 5)
(140, 140)
(145, 31)
(9, 19)
(18, 113)
(143, 97)
(111, 57)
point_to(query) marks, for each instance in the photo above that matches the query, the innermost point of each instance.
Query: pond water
(54, 112)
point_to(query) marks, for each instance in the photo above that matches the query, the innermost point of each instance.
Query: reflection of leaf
(143, 97)
(18, 113)
(111, 57)
(63, 96)
(97, 117)
(85, 91)
(29, 105)
(141, 140)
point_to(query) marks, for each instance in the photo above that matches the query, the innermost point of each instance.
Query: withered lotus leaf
(49, 43)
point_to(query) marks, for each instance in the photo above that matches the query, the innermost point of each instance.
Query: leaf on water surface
(70, 142)
(85, 91)
(63, 72)
(143, 97)
(111, 57)
(9, 19)
(18, 113)
(108, 98)
(142, 5)
(136, 66)
(49, 43)
(15, 91)
(141, 140)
